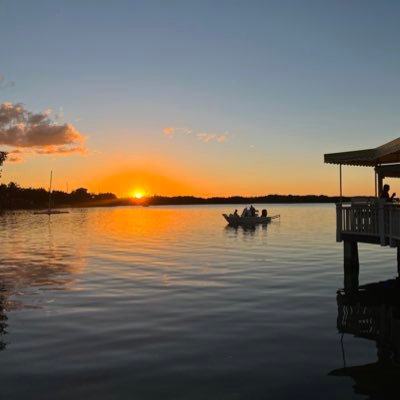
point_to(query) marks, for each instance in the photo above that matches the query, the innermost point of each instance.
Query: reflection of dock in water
(3, 318)
(373, 313)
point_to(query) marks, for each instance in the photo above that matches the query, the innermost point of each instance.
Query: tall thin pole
(341, 192)
(51, 179)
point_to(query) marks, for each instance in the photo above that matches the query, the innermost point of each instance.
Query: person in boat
(264, 213)
(253, 211)
(385, 193)
(245, 212)
(235, 214)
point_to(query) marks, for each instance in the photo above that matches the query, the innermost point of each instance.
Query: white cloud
(208, 137)
(202, 136)
(205, 136)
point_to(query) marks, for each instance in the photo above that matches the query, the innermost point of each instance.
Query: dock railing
(369, 218)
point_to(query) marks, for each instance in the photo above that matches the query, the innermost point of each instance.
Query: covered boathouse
(367, 219)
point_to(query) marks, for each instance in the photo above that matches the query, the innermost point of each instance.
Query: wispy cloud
(201, 136)
(223, 138)
(205, 137)
(208, 137)
(169, 131)
(36, 133)
(4, 84)
(15, 156)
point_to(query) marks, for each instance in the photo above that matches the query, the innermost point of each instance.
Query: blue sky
(286, 81)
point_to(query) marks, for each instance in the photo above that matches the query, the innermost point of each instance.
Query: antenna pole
(51, 179)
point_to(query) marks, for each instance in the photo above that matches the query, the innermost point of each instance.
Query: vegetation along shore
(13, 197)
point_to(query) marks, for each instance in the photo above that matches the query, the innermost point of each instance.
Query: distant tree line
(272, 198)
(12, 197)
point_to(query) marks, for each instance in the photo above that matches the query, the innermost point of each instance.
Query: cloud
(205, 137)
(4, 84)
(169, 131)
(202, 136)
(208, 137)
(223, 138)
(15, 156)
(36, 133)
(62, 150)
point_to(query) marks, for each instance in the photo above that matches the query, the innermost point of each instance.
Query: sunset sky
(199, 98)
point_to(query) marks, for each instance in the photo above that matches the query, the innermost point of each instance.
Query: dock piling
(351, 265)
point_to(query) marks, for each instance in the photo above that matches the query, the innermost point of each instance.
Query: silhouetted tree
(104, 196)
(80, 194)
(12, 196)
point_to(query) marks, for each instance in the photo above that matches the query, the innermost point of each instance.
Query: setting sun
(137, 194)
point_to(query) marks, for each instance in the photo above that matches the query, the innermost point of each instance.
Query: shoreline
(177, 201)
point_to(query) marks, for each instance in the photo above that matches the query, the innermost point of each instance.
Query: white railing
(392, 219)
(371, 218)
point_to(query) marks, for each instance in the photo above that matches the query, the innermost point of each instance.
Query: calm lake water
(170, 303)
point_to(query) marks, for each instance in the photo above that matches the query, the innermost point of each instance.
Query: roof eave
(364, 158)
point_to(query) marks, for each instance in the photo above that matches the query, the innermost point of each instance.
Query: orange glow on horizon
(167, 179)
(138, 184)
(144, 183)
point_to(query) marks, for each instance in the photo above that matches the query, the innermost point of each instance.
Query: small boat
(249, 217)
(49, 212)
(237, 220)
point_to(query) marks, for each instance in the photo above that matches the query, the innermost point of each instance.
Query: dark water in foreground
(169, 303)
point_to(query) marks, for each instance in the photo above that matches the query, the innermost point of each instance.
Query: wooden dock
(371, 220)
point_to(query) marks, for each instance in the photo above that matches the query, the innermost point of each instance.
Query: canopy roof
(388, 171)
(388, 153)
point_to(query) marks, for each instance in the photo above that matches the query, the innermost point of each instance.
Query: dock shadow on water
(372, 313)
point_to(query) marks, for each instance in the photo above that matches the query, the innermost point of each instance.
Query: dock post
(351, 266)
(339, 222)
(398, 261)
